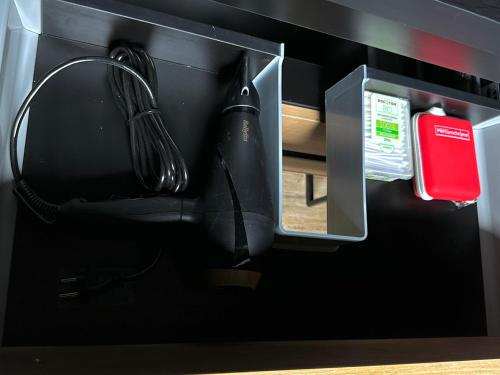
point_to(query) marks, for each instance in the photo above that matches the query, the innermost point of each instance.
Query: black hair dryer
(237, 207)
(239, 213)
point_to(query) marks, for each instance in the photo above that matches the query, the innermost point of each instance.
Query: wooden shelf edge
(303, 165)
(303, 130)
(313, 357)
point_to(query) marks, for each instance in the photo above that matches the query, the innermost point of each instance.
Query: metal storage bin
(345, 103)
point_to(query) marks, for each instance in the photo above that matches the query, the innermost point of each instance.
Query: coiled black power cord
(157, 161)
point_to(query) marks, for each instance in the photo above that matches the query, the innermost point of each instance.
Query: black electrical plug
(91, 282)
(87, 283)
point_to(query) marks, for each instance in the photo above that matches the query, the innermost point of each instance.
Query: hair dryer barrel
(239, 214)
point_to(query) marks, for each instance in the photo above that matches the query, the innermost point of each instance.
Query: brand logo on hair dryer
(245, 130)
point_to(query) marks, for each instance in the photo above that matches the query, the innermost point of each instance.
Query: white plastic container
(388, 154)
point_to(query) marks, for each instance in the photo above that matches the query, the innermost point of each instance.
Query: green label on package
(386, 120)
(387, 129)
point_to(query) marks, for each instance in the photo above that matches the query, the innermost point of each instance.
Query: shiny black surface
(427, 30)
(417, 275)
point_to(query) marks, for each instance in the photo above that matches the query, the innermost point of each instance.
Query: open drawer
(191, 58)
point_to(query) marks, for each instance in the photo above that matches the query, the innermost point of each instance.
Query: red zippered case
(445, 158)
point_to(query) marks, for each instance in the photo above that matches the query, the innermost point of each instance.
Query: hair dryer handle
(147, 210)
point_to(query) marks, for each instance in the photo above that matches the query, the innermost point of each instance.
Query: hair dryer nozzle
(242, 92)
